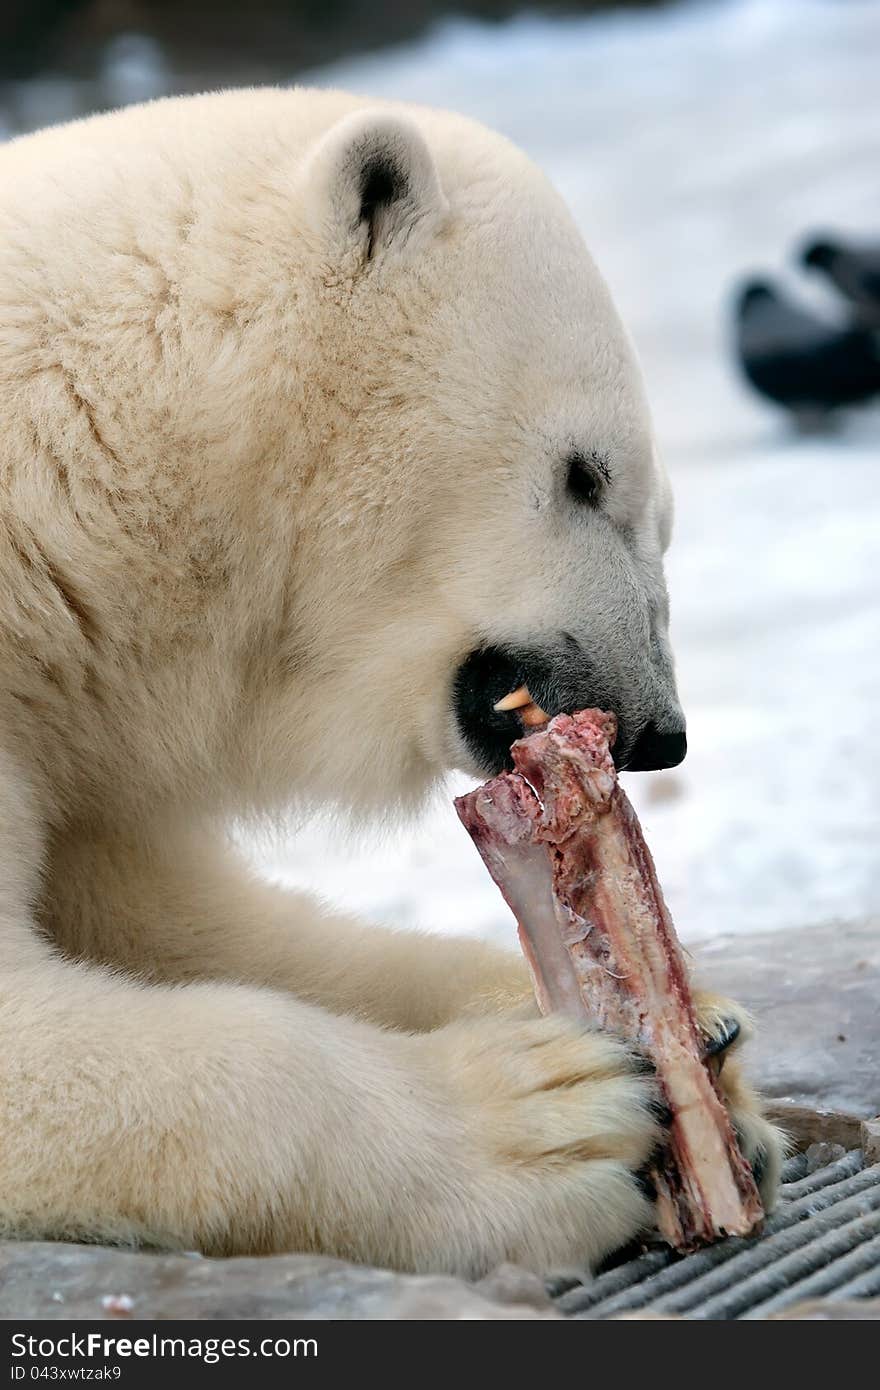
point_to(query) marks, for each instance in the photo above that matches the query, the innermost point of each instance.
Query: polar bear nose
(653, 750)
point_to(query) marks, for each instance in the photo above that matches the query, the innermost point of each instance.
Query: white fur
(268, 471)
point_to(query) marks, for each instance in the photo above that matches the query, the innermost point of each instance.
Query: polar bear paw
(557, 1125)
(725, 1026)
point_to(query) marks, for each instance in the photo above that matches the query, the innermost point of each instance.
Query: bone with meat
(563, 844)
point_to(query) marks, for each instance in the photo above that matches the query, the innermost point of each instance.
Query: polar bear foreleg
(231, 1119)
(177, 903)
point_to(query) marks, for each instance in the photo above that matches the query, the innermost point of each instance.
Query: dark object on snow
(853, 270)
(796, 360)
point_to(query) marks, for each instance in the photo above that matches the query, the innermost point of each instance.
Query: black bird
(853, 270)
(796, 360)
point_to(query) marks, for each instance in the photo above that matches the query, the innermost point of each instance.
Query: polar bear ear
(372, 182)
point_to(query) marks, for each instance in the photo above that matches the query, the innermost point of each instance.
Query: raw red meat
(562, 841)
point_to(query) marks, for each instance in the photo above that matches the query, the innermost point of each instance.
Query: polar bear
(319, 435)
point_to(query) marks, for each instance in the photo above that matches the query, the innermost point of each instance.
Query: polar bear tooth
(514, 700)
(533, 715)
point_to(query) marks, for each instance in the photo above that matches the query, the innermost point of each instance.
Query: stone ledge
(42, 1279)
(814, 996)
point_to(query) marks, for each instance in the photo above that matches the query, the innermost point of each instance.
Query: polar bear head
(499, 511)
(336, 438)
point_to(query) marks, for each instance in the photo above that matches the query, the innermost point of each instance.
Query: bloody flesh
(563, 844)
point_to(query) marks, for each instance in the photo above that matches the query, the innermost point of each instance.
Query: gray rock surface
(39, 1279)
(815, 997)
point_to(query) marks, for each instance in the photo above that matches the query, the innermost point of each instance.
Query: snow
(694, 144)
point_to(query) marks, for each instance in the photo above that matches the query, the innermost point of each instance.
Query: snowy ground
(693, 144)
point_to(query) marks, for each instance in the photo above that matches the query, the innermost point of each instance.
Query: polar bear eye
(587, 474)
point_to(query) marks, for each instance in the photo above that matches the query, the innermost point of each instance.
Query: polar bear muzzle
(501, 692)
